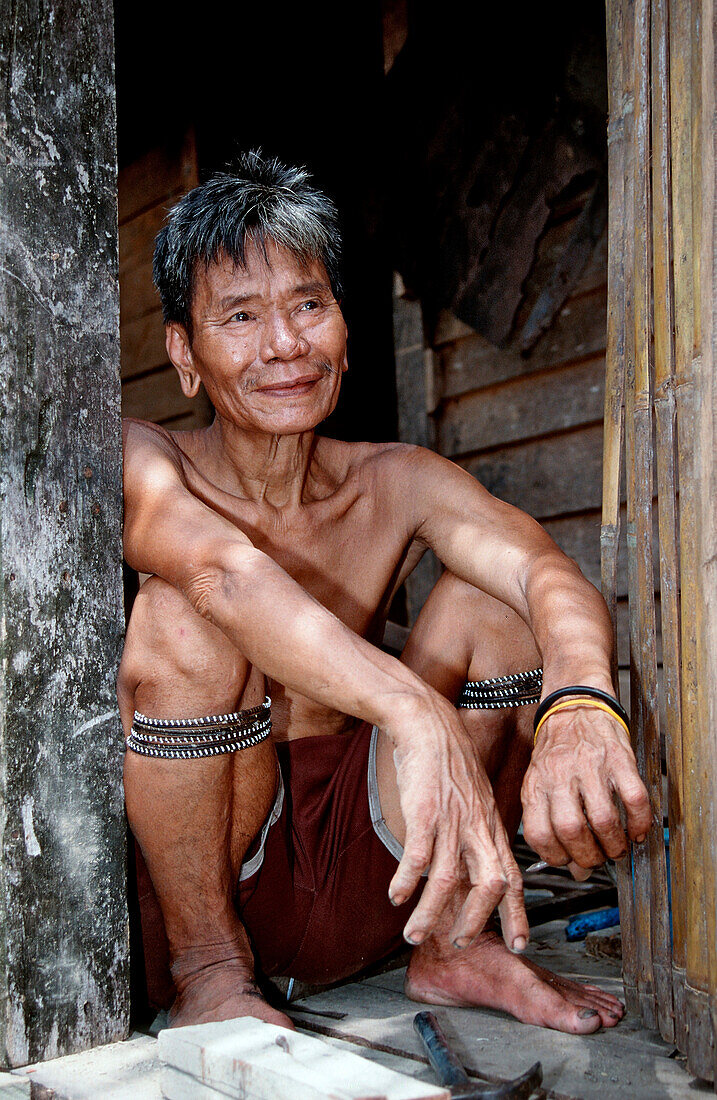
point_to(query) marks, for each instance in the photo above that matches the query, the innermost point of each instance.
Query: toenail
(519, 943)
(586, 1013)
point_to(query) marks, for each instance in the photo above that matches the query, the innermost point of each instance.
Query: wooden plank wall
(147, 189)
(529, 427)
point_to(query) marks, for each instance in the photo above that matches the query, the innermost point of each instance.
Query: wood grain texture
(578, 333)
(158, 396)
(545, 477)
(143, 345)
(63, 916)
(524, 408)
(644, 386)
(165, 171)
(666, 456)
(414, 424)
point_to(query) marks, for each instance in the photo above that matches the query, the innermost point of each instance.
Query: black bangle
(595, 693)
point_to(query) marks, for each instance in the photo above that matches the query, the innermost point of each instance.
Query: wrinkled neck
(264, 468)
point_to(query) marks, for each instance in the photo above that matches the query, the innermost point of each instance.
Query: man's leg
(195, 819)
(463, 634)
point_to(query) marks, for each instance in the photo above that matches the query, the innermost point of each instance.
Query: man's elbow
(216, 584)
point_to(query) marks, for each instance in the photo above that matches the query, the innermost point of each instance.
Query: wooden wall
(148, 187)
(529, 426)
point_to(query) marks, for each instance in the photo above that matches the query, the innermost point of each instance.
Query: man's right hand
(453, 829)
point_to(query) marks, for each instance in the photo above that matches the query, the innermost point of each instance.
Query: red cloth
(317, 909)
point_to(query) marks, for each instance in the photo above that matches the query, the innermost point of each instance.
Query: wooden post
(63, 916)
(414, 380)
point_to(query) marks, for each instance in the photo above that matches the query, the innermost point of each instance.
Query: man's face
(269, 341)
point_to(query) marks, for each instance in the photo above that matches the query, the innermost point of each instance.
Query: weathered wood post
(63, 915)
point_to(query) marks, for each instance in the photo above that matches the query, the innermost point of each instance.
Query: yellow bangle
(583, 701)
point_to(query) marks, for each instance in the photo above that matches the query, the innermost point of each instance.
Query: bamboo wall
(658, 426)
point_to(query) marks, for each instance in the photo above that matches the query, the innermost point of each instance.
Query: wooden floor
(373, 1018)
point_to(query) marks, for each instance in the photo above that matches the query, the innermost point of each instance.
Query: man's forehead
(263, 273)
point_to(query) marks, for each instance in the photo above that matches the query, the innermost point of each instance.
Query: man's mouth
(292, 387)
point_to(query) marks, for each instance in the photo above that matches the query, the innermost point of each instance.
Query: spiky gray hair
(262, 200)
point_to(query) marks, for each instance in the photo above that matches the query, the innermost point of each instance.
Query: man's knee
(168, 640)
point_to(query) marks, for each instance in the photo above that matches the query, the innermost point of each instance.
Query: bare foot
(214, 984)
(487, 974)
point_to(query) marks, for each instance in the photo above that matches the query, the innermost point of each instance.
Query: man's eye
(241, 316)
(311, 304)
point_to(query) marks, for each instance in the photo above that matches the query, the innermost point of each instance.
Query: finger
(604, 819)
(636, 801)
(572, 830)
(513, 918)
(580, 874)
(416, 858)
(488, 886)
(539, 834)
(442, 883)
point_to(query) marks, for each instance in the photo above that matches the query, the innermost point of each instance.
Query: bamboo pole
(703, 125)
(685, 204)
(643, 671)
(708, 447)
(664, 403)
(619, 104)
(644, 464)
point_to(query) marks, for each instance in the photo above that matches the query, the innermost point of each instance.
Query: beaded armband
(519, 690)
(191, 738)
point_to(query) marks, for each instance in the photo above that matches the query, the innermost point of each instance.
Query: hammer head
(520, 1088)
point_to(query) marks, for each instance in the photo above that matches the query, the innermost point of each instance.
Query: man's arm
(452, 824)
(582, 757)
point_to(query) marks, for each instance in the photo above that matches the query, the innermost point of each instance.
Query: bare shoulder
(399, 466)
(372, 458)
(150, 454)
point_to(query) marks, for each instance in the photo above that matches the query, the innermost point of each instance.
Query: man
(275, 554)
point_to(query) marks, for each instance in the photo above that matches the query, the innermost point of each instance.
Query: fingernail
(462, 941)
(396, 899)
(519, 943)
(640, 839)
(615, 1015)
(586, 1013)
(414, 942)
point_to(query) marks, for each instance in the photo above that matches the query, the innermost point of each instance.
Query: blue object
(579, 927)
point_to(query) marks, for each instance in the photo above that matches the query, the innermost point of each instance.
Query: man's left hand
(582, 760)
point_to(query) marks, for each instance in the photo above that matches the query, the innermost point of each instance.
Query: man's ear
(179, 351)
(345, 361)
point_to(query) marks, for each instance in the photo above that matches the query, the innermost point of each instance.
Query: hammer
(454, 1077)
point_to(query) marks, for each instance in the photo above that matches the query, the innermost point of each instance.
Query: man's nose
(282, 338)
